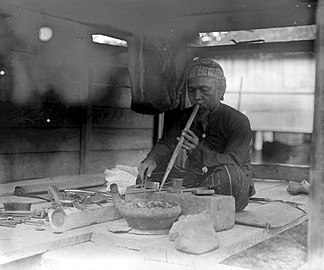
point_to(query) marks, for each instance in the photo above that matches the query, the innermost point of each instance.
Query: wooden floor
(95, 244)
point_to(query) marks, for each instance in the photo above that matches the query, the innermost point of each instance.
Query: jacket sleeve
(237, 150)
(164, 148)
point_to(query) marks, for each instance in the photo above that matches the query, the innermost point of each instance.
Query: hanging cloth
(157, 72)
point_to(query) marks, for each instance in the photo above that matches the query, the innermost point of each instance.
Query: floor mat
(270, 215)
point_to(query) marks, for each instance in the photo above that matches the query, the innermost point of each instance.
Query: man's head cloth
(206, 67)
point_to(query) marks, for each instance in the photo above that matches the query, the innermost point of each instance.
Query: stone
(194, 234)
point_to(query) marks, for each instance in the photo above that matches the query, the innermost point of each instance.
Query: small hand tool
(7, 224)
(55, 192)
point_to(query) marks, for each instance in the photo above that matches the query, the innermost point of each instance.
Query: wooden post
(86, 128)
(85, 139)
(316, 221)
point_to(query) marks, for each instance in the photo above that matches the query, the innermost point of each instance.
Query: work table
(85, 244)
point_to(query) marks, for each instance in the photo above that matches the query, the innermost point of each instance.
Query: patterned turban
(206, 67)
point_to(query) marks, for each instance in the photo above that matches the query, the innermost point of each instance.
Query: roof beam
(275, 16)
(269, 47)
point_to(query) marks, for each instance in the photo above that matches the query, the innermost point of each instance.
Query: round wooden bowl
(143, 218)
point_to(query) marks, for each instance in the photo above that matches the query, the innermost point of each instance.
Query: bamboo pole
(316, 221)
(178, 147)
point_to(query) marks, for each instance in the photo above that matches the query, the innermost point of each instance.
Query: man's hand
(146, 168)
(191, 140)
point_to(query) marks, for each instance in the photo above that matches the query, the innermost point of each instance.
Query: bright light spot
(102, 39)
(45, 33)
(48, 120)
(2, 72)
(205, 39)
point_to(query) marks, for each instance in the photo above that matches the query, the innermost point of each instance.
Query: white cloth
(124, 176)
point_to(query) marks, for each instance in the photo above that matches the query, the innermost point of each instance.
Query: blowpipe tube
(178, 147)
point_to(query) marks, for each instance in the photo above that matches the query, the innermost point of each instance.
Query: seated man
(217, 144)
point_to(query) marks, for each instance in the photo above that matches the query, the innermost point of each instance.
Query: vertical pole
(86, 128)
(85, 139)
(316, 221)
(240, 95)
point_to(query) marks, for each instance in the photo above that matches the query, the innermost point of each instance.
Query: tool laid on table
(12, 220)
(177, 188)
(78, 198)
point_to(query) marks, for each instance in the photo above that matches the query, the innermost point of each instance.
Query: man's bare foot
(295, 188)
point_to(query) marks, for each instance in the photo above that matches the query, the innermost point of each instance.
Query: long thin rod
(178, 147)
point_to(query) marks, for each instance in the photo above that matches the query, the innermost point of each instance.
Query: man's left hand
(191, 140)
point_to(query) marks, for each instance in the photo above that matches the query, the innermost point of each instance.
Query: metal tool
(90, 195)
(55, 192)
(178, 147)
(8, 224)
(90, 192)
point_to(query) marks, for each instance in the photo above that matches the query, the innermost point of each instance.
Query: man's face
(205, 91)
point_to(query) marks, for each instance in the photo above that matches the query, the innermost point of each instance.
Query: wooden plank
(101, 160)
(265, 184)
(280, 172)
(27, 140)
(111, 96)
(46, 115)
(121, 139)
(252, 48)
(239, 17)
(315, 228)
(120, 118)
(8, 188)
(26, 241)
(36, 165)
(70, 218)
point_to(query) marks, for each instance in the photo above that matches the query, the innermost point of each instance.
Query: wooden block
(204, 192)
(220, 207)
(69, 218)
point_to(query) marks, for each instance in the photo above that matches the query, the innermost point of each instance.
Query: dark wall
(65, 103)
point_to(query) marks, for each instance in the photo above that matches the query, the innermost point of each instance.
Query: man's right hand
(146, 168)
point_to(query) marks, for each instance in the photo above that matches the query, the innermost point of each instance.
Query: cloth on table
(270, 215)
(124, 176)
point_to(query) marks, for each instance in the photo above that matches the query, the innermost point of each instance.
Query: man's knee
(231, 180)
